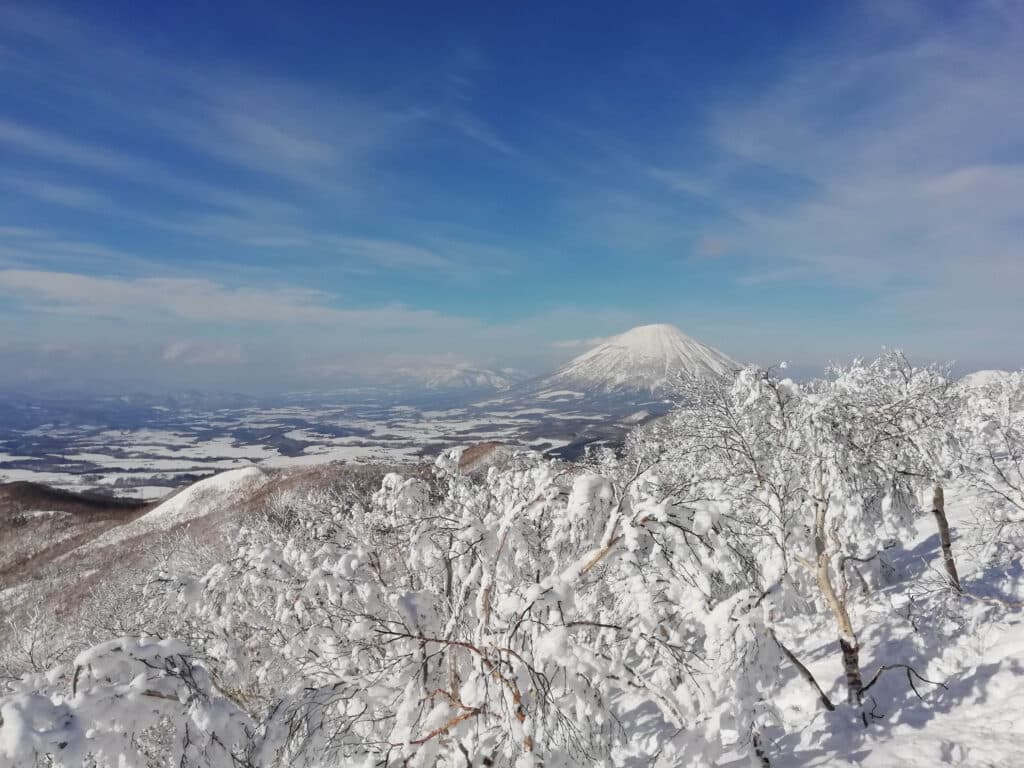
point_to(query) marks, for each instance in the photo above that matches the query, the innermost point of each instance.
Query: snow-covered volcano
(644, 359)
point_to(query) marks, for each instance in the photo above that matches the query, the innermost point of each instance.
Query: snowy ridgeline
(768, 576)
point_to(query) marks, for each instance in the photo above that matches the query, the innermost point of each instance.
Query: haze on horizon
(251, 196)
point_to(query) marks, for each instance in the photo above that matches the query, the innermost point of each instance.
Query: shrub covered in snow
(647, 607)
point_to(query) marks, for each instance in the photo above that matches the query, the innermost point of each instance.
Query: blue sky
(257, 196)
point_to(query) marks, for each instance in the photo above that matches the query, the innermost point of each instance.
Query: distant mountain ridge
(645, 359)
(467, 377)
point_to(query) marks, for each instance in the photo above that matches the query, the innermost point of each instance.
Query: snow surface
(150, 462)
(467, 377)
(636, 418)
(983, 378)
(644, 358)
(560, 393)
(199, 499)
(974, 722)
(969, 717)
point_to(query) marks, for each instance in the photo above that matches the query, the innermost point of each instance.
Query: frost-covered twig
(911, 673)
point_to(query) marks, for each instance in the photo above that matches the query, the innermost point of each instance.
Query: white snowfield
(983, 378)
(466, 377)
(559, 393)
(974, 722)
(647, 357)
(220, 492)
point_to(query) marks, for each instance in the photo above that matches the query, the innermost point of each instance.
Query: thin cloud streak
(319, 147)
(864, 184)
(198, 300)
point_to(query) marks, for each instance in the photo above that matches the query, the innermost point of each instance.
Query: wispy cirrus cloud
(50, 145)
(858, 185)
(26, 247)
(58, 193)
(34, 248)
(389, 253)
(883, 158)
(273, 160)
(909, 150)
(201, 300)
(319, 140)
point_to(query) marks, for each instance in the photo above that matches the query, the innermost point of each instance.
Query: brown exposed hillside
(57, 548)
(24, 496)
(39, 523)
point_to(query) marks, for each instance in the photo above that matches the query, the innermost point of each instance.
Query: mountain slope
(644, 359)
(980, 379)
(38, 523)
(465, 377)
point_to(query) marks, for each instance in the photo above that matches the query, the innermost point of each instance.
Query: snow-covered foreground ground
(967, 656)
(973, 647)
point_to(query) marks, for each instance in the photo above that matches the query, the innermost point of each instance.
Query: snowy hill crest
(645, 358)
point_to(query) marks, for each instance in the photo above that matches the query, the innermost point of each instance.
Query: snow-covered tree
(992, 423)
(543, 614)
(813, 479)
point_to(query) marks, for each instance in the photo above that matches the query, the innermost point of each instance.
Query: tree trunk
(848, 645)
(805, 673)
(760, 753)
(939, 510)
